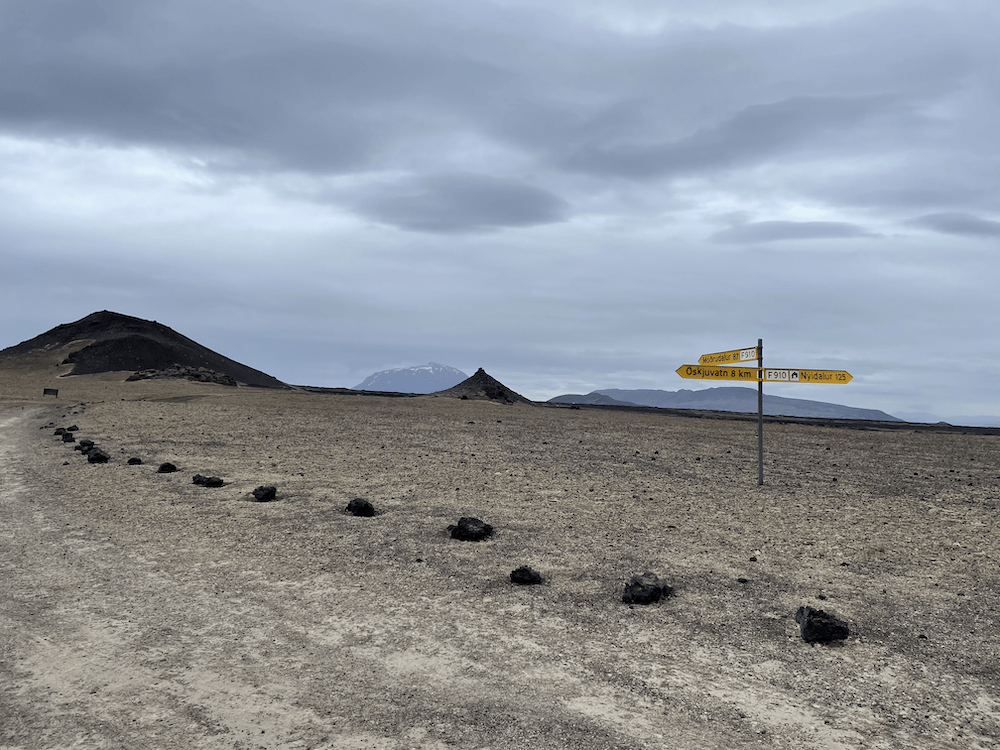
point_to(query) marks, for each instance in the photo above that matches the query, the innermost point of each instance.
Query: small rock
(471, 530)
(97, 456)
(646, 589)
(265, 494)
(134, 461)
(207, 481)
(817, 626)
(525, 576)
(360, 507)
(166, 468)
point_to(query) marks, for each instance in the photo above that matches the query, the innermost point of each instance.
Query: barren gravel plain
(139, 610)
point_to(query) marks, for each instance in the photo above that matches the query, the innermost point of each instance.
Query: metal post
(760, 412)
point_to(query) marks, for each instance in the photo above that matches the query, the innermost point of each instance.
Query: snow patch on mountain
(428, 378)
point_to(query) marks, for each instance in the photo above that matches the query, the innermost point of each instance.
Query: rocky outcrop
(199, 374)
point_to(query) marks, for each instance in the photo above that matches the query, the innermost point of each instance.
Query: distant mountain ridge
(428, 378)
(733, 398)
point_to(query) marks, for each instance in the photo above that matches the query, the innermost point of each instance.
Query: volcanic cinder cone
(111, 342)
(484, 387)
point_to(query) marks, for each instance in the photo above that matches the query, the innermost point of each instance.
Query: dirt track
(142, 611)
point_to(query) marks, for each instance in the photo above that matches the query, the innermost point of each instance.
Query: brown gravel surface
(138, 610)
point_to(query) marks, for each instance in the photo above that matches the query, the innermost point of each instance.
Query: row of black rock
(815, 625)
(97, 456)
(94, 454)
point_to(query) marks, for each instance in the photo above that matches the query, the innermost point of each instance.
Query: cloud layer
(578, 196)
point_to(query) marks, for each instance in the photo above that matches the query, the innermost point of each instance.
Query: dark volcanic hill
(484, 387)
(112, 342)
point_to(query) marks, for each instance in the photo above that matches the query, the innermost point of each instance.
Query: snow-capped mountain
(420, 379)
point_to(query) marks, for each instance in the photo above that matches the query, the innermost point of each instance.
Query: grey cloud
(461, 203)
(353, 86)
(756, 133)
(958, 223)
(776, 231)
(263, 87)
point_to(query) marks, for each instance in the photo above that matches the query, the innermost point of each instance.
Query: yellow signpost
(704, 372)
(733, 356)
(771, 374)
(790, 375)
(737, 364)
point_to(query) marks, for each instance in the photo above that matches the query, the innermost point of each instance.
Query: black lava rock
(208, 481)
(525, 576)
(471, 530)
(265, 494)
(59, 431)
(646, 589)
(817, 626)
(134, 461)
(68, 437)
(359, 507)
(97, 456)
(166, 468)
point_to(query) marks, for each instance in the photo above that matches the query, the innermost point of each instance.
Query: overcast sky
(572, 195)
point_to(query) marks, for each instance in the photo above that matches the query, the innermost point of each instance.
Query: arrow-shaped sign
(770, 374)
(704, 372)
(732, 357)
(798, 375)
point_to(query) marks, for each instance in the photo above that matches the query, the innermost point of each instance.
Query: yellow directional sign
(703, 372)
(770, 374)
(790, 375)
(732, 357)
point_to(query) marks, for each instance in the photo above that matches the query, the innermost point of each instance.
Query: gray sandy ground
(139, 610)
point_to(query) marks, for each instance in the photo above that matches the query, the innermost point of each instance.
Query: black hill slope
(111, 342)
(484, 387)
